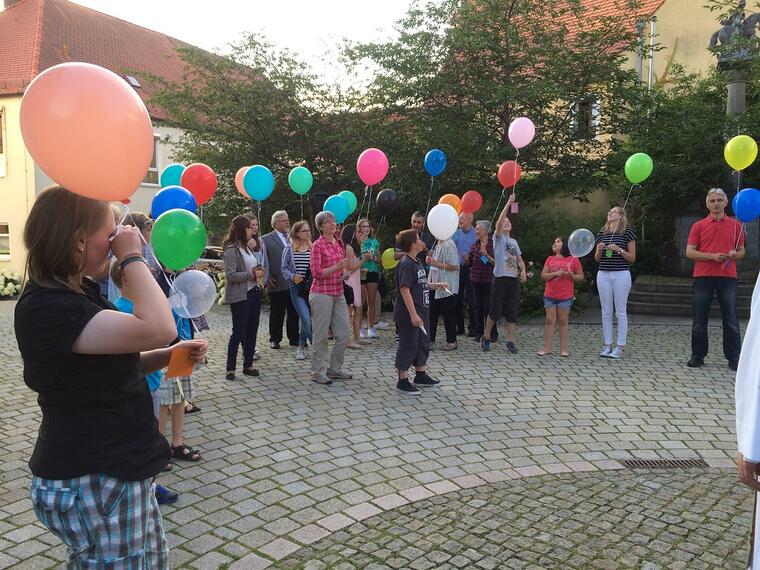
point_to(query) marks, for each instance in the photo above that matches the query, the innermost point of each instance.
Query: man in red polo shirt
(715, 243)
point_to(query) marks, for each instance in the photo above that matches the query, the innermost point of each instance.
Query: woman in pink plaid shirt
(328, 305)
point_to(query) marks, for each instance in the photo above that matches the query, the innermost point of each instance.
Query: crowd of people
(106, 404)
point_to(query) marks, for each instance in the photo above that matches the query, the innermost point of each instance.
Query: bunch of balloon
(300, 181)
(372, 167)
(520, 133)
(435, 163)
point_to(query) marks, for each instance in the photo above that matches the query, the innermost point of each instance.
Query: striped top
(615, 262)
(302, 259)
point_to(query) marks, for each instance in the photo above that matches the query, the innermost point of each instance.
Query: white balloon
(443, 221)
(581, 242)
(193, 295)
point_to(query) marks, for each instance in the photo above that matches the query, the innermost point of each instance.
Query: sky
(309, 28)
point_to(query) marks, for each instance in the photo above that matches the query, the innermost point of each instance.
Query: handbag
(304, 286)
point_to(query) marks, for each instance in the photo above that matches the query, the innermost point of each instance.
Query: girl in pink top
(561, 272)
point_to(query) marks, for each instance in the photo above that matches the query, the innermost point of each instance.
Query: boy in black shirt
(411, 313)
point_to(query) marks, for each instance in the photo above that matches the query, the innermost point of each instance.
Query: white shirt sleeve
(748, 386)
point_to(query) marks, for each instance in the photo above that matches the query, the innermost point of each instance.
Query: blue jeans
(245, 327)
(304, 315)
(704, 288)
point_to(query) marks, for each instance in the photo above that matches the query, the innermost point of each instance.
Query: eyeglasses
(307, 230)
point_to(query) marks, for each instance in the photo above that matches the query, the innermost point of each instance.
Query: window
(2, 142)
(585, 118)
(5, 241)
(152, 176)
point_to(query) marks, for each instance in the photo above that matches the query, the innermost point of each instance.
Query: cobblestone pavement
(625, 519)
(287, 463)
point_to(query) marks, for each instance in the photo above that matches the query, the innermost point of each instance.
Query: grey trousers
(328, 311)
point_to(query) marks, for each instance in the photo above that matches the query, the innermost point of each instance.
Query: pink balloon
(88, 130)
(521, 132)
(372, 166)
(239, 181)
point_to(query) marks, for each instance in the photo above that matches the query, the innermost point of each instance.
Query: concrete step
(657, 283)
(677, 298)
(678, 310)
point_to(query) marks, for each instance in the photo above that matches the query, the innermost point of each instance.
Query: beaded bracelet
(130, 259)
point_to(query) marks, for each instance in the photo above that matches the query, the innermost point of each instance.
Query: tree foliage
(457, 75)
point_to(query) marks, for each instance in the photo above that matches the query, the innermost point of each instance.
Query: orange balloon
(239, 181)
(452, 200)
(88, 130)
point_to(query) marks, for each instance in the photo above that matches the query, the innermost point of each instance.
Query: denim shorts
(550, 303)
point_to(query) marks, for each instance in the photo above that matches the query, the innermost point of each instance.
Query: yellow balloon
(740, 152)
(388, 260)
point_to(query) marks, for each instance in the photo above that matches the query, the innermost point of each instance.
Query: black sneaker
(250, 372)
(425, 380)
(695, 362)
(164, 496)
(274, 345)
(485, 344)
(733, 364)
(407, 388)
(511, 347)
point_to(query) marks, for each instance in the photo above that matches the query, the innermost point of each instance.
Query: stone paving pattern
(629, 519)
(287, 463)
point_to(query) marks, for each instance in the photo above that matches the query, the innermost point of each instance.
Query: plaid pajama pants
(105, 522)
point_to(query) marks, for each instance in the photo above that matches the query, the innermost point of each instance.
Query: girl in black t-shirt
(98, 447)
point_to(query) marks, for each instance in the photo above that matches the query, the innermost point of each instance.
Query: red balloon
(200, 180)
(509, 173)
(471, 201)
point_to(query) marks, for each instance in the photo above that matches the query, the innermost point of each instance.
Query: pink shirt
(561, 288)
(323, 255)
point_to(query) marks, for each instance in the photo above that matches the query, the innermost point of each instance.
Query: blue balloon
(746, 205)
(258, 182)
(170, 198)
(171, 175)
(435, 162)
(339, 206)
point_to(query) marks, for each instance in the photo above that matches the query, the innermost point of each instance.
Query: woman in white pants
(615, 252)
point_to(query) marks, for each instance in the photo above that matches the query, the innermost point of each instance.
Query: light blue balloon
(171, 175)
(258, 182)
(339, 206)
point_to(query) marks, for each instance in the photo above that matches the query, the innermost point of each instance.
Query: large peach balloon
(88, 130)
(452, 200)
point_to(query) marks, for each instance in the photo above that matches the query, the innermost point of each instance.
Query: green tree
(461, 71)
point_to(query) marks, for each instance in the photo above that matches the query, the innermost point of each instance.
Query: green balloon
(638, 167)
(352, 203)
(300, 180)
(178, 238)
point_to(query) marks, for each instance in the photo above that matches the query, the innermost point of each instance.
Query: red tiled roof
(605, 8)
(38, 34)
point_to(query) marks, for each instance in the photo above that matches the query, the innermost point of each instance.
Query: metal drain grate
(664, 463)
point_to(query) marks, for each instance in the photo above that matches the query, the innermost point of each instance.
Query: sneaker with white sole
(381, 325)
(300, 355)
(371, 333)
(605, 351)
(616, 352)
(361, 333)
(339, 374)
(319, 379)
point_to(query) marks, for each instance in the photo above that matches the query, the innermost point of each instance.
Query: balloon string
(430, 193)
(369, 202)
(302, 206)
(617, 225)
(364, 199)
(517, 163)
(498, 204)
